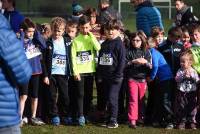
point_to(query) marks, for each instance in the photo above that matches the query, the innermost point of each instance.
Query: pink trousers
(137, 92)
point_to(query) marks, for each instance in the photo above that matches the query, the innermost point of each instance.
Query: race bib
(84, 57)
(59, 61)
(106, 59)
(32, 52)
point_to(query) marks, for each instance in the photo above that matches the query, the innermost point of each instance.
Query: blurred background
(43, 10)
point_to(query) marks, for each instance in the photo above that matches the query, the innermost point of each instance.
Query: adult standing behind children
(147, 16)
(14, 69)
(83, 64)
(13, 16)
(184, 15)
(107, 12)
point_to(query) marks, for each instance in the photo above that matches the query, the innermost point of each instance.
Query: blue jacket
(147, 16)
(14, 70)
(15, 19)
(160, 67)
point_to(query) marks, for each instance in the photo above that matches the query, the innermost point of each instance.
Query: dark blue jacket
(115, 50)
(15, 19)
(160, 68)
(147, 16)
(14, 69)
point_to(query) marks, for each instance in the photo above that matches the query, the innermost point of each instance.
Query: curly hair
(56, 22)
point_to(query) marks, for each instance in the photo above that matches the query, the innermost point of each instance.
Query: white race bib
(32, 52)
(59, 61)
(84, 57)
(106, 59)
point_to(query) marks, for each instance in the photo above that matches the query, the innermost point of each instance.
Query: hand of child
(187, 73)
(46, 80)
(77, 77)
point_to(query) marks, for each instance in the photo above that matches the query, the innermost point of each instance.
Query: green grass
(93, 129)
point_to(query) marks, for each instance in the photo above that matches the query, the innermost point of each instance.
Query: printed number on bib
(84, 57)
(32, 52)
(59, 60)
(106, 59)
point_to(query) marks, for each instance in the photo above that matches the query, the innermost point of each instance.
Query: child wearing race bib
(186, 95)
(83, 63)
(32, 47)
(110, 69)
(57, 70)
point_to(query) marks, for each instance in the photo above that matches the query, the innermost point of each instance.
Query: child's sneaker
(169, 126)
(112, 125)
(24, 121)
(193, 126)
(181, 126)
(55, 121)
(81, 121)
(68, 120)
(132, 124)
(36, 121)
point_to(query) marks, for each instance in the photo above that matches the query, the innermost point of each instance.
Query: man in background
(147, 16)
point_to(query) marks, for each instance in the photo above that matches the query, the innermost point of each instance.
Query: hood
(144, 4)
(4, 22)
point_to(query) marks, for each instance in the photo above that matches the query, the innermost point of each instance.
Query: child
(57, 69)
(111, 64)
(71, 29)
(95, 27)
(157, 34)
(163, 78)
(46, 30)
(82, 52)
(196, 35)
(32, 49)
(139, 64)
(186, 97)
(185, 39)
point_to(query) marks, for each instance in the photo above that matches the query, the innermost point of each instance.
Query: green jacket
(83, 53)
(196, 57)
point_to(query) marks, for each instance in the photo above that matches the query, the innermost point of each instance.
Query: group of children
(68, 56)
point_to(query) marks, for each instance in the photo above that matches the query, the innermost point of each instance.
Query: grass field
(93, 129)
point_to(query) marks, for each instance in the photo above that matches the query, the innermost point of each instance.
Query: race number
(84, 57)
(106, 59)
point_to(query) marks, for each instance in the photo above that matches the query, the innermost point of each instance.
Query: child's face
(185, 62)
(85, 29)
(159, 39)
(58, 32)
(136, 42)
(71, 31)
(112, 33)
(29, 33)
(185, 37)
(196, 36)
(93, 19)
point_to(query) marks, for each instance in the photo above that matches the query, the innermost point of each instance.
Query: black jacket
(136, 71)
(185, 17)
(48, 55)
(112, 53)
(171, 52)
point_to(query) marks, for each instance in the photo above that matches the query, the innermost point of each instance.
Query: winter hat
(76, 8)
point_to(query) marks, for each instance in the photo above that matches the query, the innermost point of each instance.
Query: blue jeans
(10, 130)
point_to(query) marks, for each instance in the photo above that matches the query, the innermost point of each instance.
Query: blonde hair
(57, 22)
(187, 54)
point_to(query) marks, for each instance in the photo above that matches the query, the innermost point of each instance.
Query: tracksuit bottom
(137, 92)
